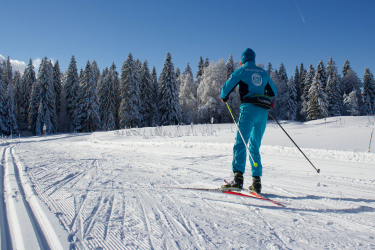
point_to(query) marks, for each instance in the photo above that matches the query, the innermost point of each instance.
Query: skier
(256, 89)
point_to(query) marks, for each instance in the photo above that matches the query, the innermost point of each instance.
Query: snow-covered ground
(108, 190)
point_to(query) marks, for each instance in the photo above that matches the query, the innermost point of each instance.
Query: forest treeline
(135, 96)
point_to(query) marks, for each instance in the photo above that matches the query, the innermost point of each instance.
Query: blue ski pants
(252, 124)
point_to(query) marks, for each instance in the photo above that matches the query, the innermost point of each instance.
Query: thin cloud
(20, 65)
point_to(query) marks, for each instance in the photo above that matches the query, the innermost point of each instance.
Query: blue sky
(107, 31)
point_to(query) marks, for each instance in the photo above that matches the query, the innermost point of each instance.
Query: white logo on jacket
(256, 79)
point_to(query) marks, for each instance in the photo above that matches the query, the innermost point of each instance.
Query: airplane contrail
(299, 11)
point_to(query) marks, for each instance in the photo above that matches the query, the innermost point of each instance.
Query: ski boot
(236, 184)
(256, 187)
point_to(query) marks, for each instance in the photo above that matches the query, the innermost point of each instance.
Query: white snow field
(108, 190)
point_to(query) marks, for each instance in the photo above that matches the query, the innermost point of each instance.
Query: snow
(108, 189)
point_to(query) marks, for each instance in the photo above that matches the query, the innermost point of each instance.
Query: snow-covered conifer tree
(368, 93)
(47, 104)
(230, 66)
(269, 68)
(155, 84)
(108, 98)
(331, 67)
(291, 105)
(89, 103)
(210, 104)
(130, 94)
(147, 94)
(307, 85)
(188, 98)
(95, 71)
(333, 94)
(19, 93)
(56, 76)
(317, 106)
(200, 69)
(168, 98)
(72, 92)
(322, 75)
(350, 79)
(10, 121)
(282, 73)
(351, 103)
(62, 116)
(29, 79)
(177, 72)
(281, 82)
(188, 70)
(3, 129)
(7, 72)
(206, 62)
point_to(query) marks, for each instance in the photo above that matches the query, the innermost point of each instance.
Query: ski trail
(35, 224)
(5, 239)
(147, 223)
(113, 202)
(193, 193)
(93, 217)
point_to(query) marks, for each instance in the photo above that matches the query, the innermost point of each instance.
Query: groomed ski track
(24, 223)
(110, 195)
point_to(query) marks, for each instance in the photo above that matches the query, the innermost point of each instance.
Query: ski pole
(255, 164)
(317, 170)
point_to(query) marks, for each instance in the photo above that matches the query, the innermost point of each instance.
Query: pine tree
(210, 104)
(368, 93)
(147, 95)
(331, 68)
(200, 69)
(333, 95)
(10, 121)
(296, 83)
(89, 104)
(169, 105)
(345, 68)
(188, 70)
(109, 98)
(282, 73)
(351, 103)
(323, 75)
(291, 105)
(155, 87)
(269, 68)
(3, 129)
(188, 98)
(18, 95)
(317, 104)
(130, 94)
(47, 104)
(230, 66)
(62, 116)
(307, 85)
(28, 79)
(95, 71)
(281, 81)
(350, 79)
(72, 92)
(206, 62)
(7, 72)
(56, 77)
(177, 72)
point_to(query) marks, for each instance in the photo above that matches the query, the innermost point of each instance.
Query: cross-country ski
(238, 193)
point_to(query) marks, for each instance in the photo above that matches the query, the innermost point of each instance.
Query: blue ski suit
(252, 81)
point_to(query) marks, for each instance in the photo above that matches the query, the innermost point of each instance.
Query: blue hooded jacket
(251, 79)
